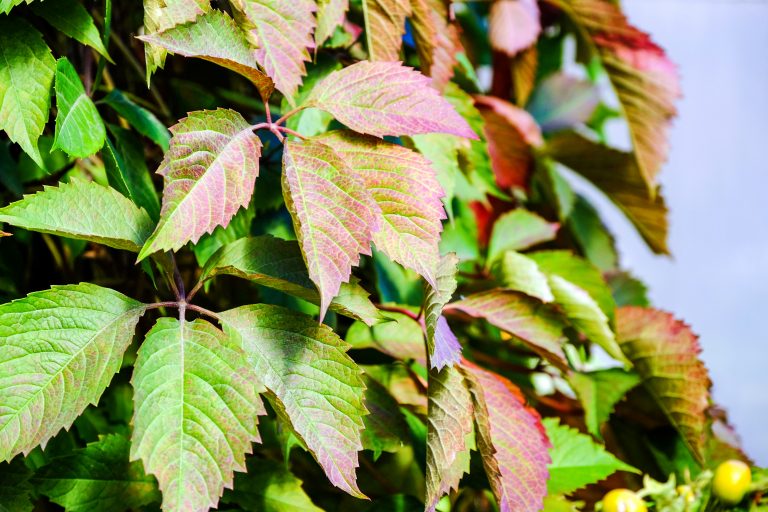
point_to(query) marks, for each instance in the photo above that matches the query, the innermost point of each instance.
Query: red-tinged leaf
(513, 25)
(330, 15)
(534, 323)
(444, 348)
(386, 98)
(449, 425)
(333, 213)
(665, 353)
(209, 173)
(215, 37)
(524, 69)
(616, 173)
(160, 15)
(282, 33)
(437, 40)
(645, 80)
(512, 134)
(511, 441)
(405, 186)
(384, 28)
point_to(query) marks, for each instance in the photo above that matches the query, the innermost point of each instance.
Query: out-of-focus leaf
(304, 363)
(269, 487)
(71, 18)
(330, 15)
(518, 272)
(628, 290)
(665, 353)
(517, 230)
(563, 101)
(577, 460)
(593, 236)
(599, 392)
(26, 76)
(402, 384)
(384, 28)
(239, 227)
(385, 428)
(60, 349)
(513, 25)
(437, 39)
(401, 338)
(524, 67)
(142, 120)
(444, 349)
(15, 487)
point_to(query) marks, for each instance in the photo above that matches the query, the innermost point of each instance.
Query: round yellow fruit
(731, 481)
(623, 500)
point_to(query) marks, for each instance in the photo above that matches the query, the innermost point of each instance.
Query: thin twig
(396, 309)
(289, 114)
(203, 311)
(179, 281)
(183, 305)
(291, 132)
(195, 289)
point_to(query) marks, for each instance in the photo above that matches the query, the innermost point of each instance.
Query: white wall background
(716, 183)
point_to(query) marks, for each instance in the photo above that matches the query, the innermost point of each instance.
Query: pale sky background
(716, 184)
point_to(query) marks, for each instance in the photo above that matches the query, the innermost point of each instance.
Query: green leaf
(401, 337)
(316, 385)
(26, 75)
(628, 290)
(142, 120)
(596, 242)
(443, 346)
(127, 170)
(15, 487)
(517, 271)
(334, 214)
(60, 349)
(269, 487)
(517, 230)
(599, 392)
(209, 173)
(450, 428)
(71, 18)
(80, 131)
(665, 353)
(97, 477)
(385, 428)
(195, 414)
(577, 460)
(238, 228)
(82, 210)
(278, 264)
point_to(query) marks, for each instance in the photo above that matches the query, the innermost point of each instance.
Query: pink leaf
(437, 40)
(333, 213)
(405, 186)
(514, 25)
(215, 37)
(209, 170)
(330, 15)
(386, 98)
(444, 348)
(282, 33)
(511, 441)
(512, 134)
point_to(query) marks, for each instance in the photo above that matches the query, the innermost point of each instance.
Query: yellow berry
(623, 500)
(731, 481)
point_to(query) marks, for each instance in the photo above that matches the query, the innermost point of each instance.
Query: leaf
(269, 487)
(195, 411)
(316, 384)
(596, 242)
(404, 185)
(384, 28)
(209, 173)
(15, 487)
(513, 25)
(628, 290)
(444, 349)
(334, 215)
(330, 15)
(278, 264)
(511, 441)
(142, 120)
(512, 135)
(385, 428)
(617, 175)
(386, 98)
(437, 40)
(534, 323)
(599, 392)
(665, 353)
(80, 131)
(450, 424)
(215, 37)
(282, 33)
(127, 170)
(97, 477)
(71, 18)
(160, 15)
(26, 76)
(82, 210)
(563, 101)
(517, 230)
(577, 461)
(525, 66)
(400, 338)
(518, 272)
(60, 349)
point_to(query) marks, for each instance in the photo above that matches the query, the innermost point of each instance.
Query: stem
(291, 132)
(268, 112)
(107, 34)
(203, 311)
(196, 289)
(261, 126)
(183, 306)
(289, 114)
(403, 311)
(182, 296)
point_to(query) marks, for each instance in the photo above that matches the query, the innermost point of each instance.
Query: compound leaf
(80, 131)
(196, 405)
(83, 210)
(316, 385)
(60, 348)
(209, 171)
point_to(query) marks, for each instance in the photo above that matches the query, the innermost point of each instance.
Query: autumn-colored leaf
(160, 15)
(444, 348)
(665, 353)
(525, 66)
(386, 98)
(511, 441)
(437, 40)
(384, 28)
(330, 15)
(209, 173)
(512, 135)
(513, 25)
(333, 213)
